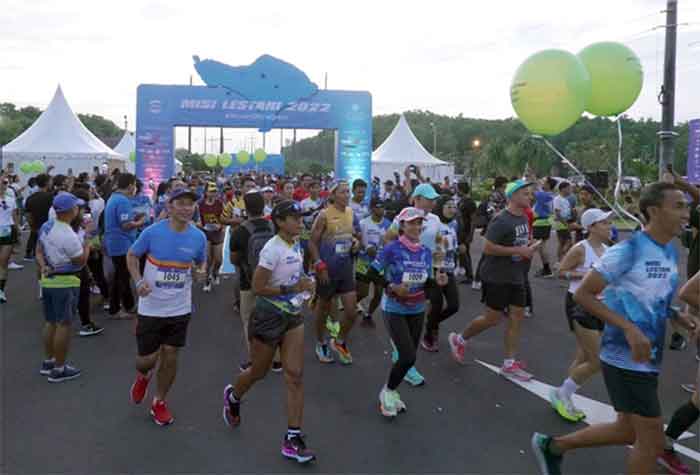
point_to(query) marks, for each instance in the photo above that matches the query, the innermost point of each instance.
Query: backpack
(260, 233)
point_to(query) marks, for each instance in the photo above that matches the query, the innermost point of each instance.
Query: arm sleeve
(142, 244)
(616, 261)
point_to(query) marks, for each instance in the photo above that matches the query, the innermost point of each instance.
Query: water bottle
(614, 234)
(306, 295)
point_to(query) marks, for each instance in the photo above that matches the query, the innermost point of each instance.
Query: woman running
(282, 290)
(587, 328)
(408, 271)
(210, 210)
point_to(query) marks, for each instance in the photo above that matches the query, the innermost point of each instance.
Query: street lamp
(432, 124)
(476, 143)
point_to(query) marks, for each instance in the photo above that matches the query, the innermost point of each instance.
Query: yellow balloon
(260, 155)
(243, 157)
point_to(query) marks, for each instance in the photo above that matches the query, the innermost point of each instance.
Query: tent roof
(126, 145)
(58, 131)
(403, 147)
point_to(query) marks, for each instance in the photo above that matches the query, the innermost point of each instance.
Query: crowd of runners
(339, 254)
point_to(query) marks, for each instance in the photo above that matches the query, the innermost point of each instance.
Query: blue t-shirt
(642, 277)
(119, 210)
(142, 204)
(543, 204)
(168, 270)
(401, 265)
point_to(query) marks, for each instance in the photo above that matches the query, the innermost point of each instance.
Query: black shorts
(632, 392)
(502, 296)
(152, 332)
(269, 324)
(576, 313)
(215, 237)
(10, 240)
(541, 232)
(341, 281)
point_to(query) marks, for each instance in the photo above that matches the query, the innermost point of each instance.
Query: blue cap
(516, 185)
(65, 201)
(180, 192)
(425, 190)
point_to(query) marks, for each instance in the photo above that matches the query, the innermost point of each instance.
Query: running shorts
(152, 332)
(269, 324)
(10, 240)
(576, 313)
(632, 392)
(502, 296)
(341, 281)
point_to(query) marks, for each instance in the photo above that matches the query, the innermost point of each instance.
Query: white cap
(592, 216)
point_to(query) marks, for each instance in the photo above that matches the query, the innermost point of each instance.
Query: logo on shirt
(655, 270)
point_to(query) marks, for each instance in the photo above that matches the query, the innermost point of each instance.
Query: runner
(563, 218)
(60, 256)
(407, 267)
(359, 207)
(9, 232)
(310, 207)
(234, 212)
(330, 246)
(280, 284)
(467, 214)
(268, 195)
(639, 277)
(444, 300)
(542, 227)
(372, 230)
(165, 297)
(210, 209)
(586, 328)
(506, 252)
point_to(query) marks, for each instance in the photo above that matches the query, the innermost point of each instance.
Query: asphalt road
(466, 419)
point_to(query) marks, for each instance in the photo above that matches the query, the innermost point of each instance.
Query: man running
(330, 246)
(639, 278)
(372, 230)
(310, 207)
(210, 210)
(542, 226)
(165, 297)
(282, 290)
(358, 205)
(506, 253)
(563, 217)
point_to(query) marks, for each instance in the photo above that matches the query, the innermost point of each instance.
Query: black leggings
(404, 331)
(98, 273)
(31, 243)
(121, 287)
(84, 297)
(438, 295)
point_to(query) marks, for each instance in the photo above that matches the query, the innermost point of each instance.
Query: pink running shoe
(516, 370)
(670, 461)
(457, 347)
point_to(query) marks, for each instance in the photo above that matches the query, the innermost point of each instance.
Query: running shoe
(95, 290)
(138, 388)
(14, 266)
(66, 374)
(161, 414)
(90, 329)
(295, 448)
(544, 274)
(323, 353)
(429, 343)
(232, 410)
(671, 462)
(3, 297)
(565, 407)
(333, 327)
(688, 388)
(29, 258)
(207, 286)
(343, 351)
(277, 366)
(476, 285)
(678, 343)
(516, 370)
(414, 378)
(46, 367)
(549, 463)
(217, 280)
(387, 402)
(528, 313)
(457, 347)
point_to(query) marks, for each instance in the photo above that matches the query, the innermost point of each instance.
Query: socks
(684, 417)
(293, 432)
(461, 339)
(568, 388)
(508, 362)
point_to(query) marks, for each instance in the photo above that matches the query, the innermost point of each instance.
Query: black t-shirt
(509, 230)
(694, 255)
(239, 244)
(38, 206)
(467, 208)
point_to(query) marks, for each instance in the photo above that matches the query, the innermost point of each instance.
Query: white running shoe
(217, 280)
(3, 297)
(14, 266)
(207, 287)
(387, 402)
(476, 285)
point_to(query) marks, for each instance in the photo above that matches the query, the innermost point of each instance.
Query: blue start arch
(267, 94)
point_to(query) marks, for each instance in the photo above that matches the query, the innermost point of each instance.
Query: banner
(694, 152)
(273, 163)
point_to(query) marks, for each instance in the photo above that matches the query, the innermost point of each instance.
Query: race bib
(342, 247)
(171, 278)
(362, 266)
(5, 231)
(414, 278)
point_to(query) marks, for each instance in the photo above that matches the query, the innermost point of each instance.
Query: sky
(449, 57)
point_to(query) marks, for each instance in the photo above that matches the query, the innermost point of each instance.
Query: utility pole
(221, 140)
(126, 124)
(667, 96)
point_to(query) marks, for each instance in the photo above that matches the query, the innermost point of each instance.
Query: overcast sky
(449, 57)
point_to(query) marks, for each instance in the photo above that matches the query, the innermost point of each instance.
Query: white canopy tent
(58, 138)
(127, 145)
(401, 149)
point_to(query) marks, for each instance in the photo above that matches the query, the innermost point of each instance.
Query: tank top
(589, 261)
(336, 241)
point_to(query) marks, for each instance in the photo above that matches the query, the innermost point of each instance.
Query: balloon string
(618, 185)
(568, 162)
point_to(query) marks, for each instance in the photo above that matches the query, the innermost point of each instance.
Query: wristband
(139, 283)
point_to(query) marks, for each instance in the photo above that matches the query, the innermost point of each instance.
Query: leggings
(121, 287)
(98, 273)
(404, 331)
(84, 297)
(31, 243)
(465, 260)
(437, 313)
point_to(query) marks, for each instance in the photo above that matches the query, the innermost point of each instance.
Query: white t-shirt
(563, 207)
(309, 205)
(60, 245)
(373, 232)
(360, 210)
(285, 262)
(7, 208)
(97, 206)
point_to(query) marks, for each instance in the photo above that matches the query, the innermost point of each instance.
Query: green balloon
(211, 160)
(549, 91)
(616, 77)
(26, 167)
(260, 155)
(243, 157)
(38, 166)
(132, 157)
(225, 160)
